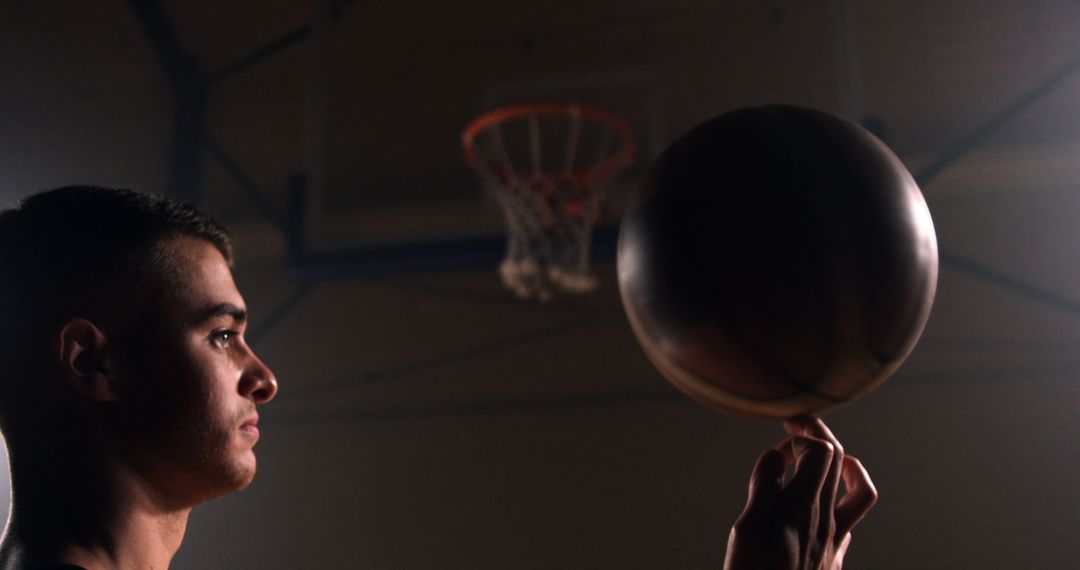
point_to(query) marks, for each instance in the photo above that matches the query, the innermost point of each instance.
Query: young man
(129, 396)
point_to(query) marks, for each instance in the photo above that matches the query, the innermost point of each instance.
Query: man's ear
(85, 360)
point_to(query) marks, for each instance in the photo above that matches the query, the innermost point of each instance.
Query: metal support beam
(256, 194)
(319, 55)
(1018, 286)
(970, 142)
(259, 54)
(994, 124)
(300, 293)
(189, 98)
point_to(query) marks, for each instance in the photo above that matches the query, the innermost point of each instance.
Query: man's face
(190, 388)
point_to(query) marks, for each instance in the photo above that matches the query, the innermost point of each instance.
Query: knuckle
(869, 489)
(822, 446)
(871, 496)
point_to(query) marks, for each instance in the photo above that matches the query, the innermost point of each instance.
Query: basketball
(777, 261)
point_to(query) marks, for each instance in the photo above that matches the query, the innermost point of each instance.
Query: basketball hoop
(531, 161)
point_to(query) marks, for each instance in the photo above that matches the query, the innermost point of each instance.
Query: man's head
(121, 327)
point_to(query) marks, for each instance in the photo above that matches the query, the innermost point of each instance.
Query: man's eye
(222, 339)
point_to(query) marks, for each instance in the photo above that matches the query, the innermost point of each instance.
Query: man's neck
(143, 541)
(91, 515)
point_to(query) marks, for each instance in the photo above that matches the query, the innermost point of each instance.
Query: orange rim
(605, 165)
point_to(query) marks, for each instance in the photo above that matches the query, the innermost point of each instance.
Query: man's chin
(245, 471)
(233, 477)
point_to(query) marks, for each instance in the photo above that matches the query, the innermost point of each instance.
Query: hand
(801, 524)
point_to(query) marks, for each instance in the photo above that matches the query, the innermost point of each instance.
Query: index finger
(815, 428)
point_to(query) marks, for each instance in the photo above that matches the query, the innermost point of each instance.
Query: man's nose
(259, 382)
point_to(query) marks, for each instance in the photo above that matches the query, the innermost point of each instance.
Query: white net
(550, 201)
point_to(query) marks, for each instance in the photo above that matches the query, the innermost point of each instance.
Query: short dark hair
(105, 220)
(88, 251)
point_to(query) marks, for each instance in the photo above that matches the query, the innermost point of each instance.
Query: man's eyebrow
(225, 310)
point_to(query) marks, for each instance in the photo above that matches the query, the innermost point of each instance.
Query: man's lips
(251, 426)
